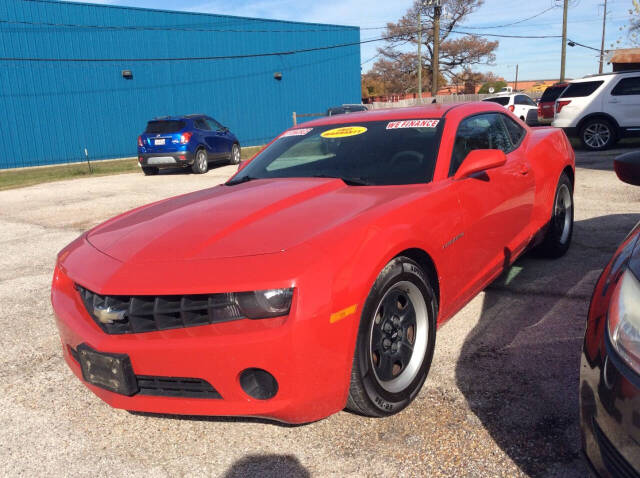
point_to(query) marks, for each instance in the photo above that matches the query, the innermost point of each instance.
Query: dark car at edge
(610, 366)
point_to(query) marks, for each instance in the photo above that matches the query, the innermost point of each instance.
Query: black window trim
(499, 113)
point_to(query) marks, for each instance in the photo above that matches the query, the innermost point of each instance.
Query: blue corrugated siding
(50, 111)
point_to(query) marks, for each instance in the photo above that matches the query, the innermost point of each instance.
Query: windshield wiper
(348, 181)
(241, 180)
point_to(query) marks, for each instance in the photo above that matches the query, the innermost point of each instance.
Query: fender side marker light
(341, 314)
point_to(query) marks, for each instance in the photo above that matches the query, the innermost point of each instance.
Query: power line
(196, 58)
(513, 23)
(163, 28)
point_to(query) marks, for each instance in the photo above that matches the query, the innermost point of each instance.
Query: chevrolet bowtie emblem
(107, 315)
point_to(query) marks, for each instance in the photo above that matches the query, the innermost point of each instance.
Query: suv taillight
(140, 141)
(561, 104)
(185, 138)
(511, 108)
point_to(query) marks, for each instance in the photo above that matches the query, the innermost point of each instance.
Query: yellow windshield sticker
(344, 132)
(341, 314)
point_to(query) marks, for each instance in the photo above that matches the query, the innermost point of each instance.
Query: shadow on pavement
(267, 466)
(519, 367)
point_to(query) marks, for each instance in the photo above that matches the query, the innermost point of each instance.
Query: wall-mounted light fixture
(277, 76)
(127, 74)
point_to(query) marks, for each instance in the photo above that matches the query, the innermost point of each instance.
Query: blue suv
(182, 141)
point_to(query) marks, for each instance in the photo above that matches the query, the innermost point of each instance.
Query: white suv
(600, 109)
(518, 103)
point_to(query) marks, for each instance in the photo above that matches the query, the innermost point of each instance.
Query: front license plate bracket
(112, 372)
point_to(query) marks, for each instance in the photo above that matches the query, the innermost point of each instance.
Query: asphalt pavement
(501, 398)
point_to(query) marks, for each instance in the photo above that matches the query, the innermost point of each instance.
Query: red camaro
(317, 276)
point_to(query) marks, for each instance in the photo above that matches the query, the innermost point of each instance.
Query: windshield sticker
(344, 132)
(296, 132)
(422, 123)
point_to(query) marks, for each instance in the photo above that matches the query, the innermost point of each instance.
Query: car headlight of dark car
(265, 303)
(624, 320)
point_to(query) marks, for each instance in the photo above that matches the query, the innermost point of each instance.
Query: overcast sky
(537, 58)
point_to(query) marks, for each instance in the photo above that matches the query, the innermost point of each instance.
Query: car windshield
(164, 126)
(366, 153)
(501, 100)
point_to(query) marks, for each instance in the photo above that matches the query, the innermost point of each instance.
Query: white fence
(442, 99)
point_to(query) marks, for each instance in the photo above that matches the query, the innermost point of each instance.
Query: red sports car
(317, 276)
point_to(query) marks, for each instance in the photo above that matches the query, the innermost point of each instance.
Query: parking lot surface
(501, 398)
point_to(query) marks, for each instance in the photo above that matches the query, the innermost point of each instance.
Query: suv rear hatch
(163, 135)
(548, 100)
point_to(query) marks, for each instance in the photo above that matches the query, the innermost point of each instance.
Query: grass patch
(18, 178)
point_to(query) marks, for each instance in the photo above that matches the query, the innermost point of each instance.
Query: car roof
(431, 111)
(505, 95)
(179, 117)
(604, 76)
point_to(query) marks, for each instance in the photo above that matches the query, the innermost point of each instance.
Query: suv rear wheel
(598, 134)
(201, 162)
(149, 171)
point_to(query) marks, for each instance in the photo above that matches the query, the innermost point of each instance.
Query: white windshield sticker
(296, 132)
(420, 123)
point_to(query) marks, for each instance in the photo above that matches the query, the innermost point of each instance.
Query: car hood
(258, 217)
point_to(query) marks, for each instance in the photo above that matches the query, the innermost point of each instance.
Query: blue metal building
(51, 110)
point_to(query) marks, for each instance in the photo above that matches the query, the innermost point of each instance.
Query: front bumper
(609, 411)
(309, 357)
(173, 159)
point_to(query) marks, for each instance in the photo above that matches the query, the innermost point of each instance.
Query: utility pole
(564, 40)
(437, 10)
(420, 54)
(604, 26)
(515, 87)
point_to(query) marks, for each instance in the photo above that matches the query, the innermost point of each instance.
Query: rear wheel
(150, 171)
(598, 134)
(234, 158)
(395, 340)
(557, 238)
(200, 163)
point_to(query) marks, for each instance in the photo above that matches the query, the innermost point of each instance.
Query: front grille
(613, 461)
(144, 313)
(176, 387)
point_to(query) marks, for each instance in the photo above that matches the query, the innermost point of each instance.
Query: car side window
(201, 124)
(484, 131)
(214, 125)
(627, 86)
(516, 132)
(524, 100)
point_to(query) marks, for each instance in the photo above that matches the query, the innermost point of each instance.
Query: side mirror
(627, 168)
(480, 160)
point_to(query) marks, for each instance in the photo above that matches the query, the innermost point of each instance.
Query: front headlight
(624, 320)
(261, 304)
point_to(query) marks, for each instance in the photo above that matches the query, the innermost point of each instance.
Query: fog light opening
(258, 384)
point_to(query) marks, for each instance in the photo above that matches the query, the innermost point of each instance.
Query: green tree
(497, 86)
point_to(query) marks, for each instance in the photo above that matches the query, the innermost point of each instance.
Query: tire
(399, 314)
(598, 134)
(557, 238)
(234, 157)
(200, 162)
(150, 171)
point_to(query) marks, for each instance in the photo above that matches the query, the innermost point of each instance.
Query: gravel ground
(501, 400)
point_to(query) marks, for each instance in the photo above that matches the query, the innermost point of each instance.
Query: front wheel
(395, 340)
(200, 163)
(557, 237)
(234, 158)
(597, 134)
